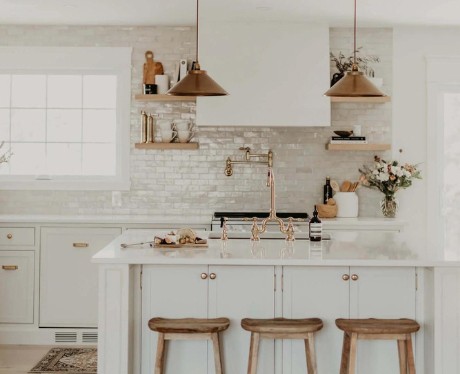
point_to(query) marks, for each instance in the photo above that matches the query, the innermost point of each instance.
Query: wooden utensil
(335, 186)
(345, 186)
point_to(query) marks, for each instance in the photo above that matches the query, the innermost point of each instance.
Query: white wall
(411, 46)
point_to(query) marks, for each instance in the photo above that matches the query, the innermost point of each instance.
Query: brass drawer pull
(10, 267)
(212, 276)
(9, 236)
(204, 275)
(345, 277)
(80, 245)
(354, 277)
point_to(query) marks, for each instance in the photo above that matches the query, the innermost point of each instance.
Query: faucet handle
(290, 230)
(224, 229)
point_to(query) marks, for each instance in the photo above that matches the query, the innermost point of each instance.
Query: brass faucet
(288, 229)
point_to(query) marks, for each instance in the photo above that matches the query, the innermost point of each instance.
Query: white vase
(347, 204)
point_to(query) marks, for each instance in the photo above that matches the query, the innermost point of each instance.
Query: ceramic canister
(347, 204)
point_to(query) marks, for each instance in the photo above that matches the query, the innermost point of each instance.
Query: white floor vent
(89, 337)
(65, 337)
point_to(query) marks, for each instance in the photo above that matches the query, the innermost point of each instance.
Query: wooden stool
(282, 328)
(377, 329)
(187, 329)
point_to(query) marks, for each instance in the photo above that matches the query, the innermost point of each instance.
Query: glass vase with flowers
(388, 177)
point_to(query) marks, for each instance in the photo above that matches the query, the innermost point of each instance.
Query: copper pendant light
(197, 82)
(354, 83)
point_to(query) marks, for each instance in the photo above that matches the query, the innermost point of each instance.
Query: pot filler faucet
(256, 230)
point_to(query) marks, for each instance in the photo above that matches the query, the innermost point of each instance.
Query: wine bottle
(315, 227)
(327, 190)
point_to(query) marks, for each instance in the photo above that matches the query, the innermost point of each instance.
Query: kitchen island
(353, 275)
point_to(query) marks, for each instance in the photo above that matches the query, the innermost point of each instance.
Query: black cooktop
(237, 215)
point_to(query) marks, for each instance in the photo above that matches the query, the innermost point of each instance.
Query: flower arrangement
(388, 177)
(5, 157)
(344, 64)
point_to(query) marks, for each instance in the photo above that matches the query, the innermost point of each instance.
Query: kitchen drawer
(16, 287)
(17, 236)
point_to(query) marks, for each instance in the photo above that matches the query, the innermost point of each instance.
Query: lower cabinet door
(16, 286)
(174, 291)
(68, 279)
(381, 292)
(321, 292)
(238, 292)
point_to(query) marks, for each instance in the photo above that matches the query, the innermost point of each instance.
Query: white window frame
(443, 76)
(77, 60)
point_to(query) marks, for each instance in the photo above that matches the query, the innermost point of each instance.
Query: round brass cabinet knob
(354, 277)
(212, 276)
(10, 236)
(204, 275)
(345, 277)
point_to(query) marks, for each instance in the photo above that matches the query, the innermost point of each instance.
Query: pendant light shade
(354, 83)
(197, 82)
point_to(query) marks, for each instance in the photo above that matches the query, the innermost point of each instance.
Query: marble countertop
(369, 223)
(344, 249)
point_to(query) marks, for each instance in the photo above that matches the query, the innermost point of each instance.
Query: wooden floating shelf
(163, 98)
(369, 99)
(358, 147)
(166, 145)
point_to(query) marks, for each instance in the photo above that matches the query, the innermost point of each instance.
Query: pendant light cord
(197, 7)
(354, 38)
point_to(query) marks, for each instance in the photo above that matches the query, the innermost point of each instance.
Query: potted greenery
(344, 64)
(4, 157)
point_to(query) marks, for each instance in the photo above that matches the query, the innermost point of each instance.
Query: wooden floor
(19, 359)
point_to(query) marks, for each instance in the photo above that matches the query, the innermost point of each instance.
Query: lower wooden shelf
(166, 145)
(358, 147)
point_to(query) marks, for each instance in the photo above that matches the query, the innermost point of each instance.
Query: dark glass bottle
(327, 190)
(315, 227)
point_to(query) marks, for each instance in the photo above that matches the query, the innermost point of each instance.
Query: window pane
(28, 91)
(64, 91)
(4, 125)
(28, 159)
(99, 159)
(5, 81)
(64, 159)
(64, 125)
(99, 91)
(28, 125)
(99, 126)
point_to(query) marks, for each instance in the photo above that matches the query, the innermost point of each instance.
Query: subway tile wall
(181, 182)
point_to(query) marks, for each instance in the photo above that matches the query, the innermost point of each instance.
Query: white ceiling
(375, 13)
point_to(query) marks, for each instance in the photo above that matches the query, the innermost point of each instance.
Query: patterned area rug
(68, 361)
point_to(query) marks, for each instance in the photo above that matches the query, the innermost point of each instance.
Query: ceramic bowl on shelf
(344, 133)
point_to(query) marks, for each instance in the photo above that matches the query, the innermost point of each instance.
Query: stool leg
(253, 353)
(216, 348)
(160, 358)
(352, 359)
(310, 353)
(402, 356)
(410, 354)
(345, 362)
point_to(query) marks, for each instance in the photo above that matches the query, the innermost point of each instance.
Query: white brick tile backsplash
(193, 182)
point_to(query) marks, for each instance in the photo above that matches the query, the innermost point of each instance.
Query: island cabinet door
(240, 292)
(321, 292)
(381, 292)
(174, 291)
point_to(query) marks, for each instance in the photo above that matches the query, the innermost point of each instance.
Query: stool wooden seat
(377, 329)
(282, 328)
(187, 329)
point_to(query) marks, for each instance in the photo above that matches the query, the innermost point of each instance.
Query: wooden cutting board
(188, 245)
